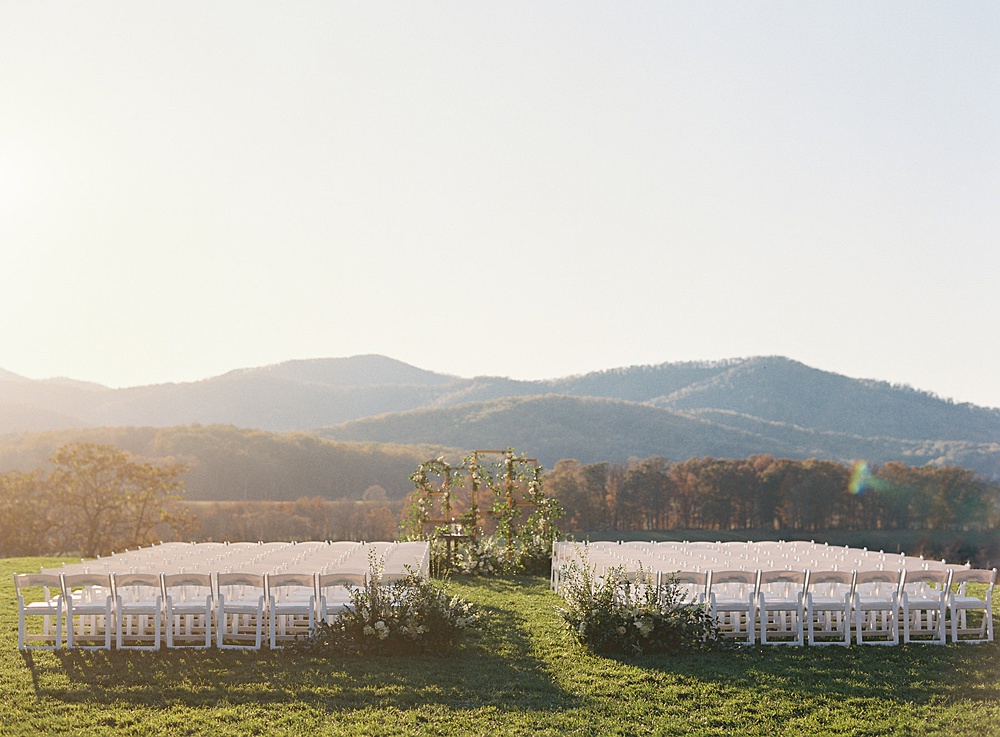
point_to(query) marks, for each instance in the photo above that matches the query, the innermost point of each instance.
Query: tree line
(94, 499)
(763, 492)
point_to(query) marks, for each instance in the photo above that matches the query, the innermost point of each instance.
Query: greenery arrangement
(617, 614)
(403, 616)
(483, 518)
(492, 555)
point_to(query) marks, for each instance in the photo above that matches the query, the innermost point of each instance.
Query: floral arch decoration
(491, 492)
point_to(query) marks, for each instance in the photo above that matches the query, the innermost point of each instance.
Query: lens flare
(861, 478)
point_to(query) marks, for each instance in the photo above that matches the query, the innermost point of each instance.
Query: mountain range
(725, 409)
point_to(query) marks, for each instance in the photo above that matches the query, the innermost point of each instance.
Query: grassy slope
(524, 677)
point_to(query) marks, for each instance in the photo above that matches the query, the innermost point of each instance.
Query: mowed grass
(521, 676)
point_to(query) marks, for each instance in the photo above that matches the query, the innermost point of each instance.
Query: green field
(520, 676)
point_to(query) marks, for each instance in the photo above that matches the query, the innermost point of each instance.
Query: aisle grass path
(520, 677)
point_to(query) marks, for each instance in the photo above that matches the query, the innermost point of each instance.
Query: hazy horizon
(459, 376)
(531, 190)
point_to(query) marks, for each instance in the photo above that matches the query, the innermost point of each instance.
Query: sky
(523, 189)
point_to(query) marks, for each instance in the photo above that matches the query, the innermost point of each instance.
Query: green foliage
(403, 616)
(632, 616)
(432, 501)
(481, 556)
(479, 510)
(493, 555)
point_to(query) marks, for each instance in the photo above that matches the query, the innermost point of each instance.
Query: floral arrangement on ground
(491, 555)
(620, 614)
(403, 616)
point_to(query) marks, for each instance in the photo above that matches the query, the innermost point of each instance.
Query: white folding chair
(240, 609)
(923, 599)
(732, 601)
(407, 556)
(692, 585)
(188, 604)
(334, 590)
(781, 607)
(35, 599)
(89, 610)
(828, 607)
(876, 607)
(138, 610)
(961, 602)
(291, 605)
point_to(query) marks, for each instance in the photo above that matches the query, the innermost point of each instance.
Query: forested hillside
(791, 393)
(595, 430)
(556, 427)
(227, 463)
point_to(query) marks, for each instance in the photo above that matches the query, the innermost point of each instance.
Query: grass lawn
(521, 676)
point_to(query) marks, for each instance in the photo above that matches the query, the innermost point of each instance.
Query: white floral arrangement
(403, 616)
(614, 613)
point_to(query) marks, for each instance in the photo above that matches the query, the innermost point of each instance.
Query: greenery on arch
(488, 515)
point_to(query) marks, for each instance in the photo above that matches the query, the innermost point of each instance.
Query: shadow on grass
(914, 674)
(490, 670)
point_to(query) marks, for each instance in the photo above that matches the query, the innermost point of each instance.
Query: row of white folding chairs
(324, 557)
(824, 606)
(138, 610)
(735, 546)
(603, 562)
(172, 557)
(747, 550)
(744, 556)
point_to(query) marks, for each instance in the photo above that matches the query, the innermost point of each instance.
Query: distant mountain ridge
(365, 370)
(726, 408)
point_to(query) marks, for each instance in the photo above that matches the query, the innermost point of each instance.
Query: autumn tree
(644, 494)
(25, 509)
(375, 493)
(104, 500)
(564, 483)
(810, 493)
(768, 498)
(695, 500)
(580, 490)
(936, 498)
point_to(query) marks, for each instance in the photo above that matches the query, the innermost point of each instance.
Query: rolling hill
(725, 409)
(592, 430)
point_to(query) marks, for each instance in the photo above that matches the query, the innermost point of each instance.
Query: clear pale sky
(528, 189)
